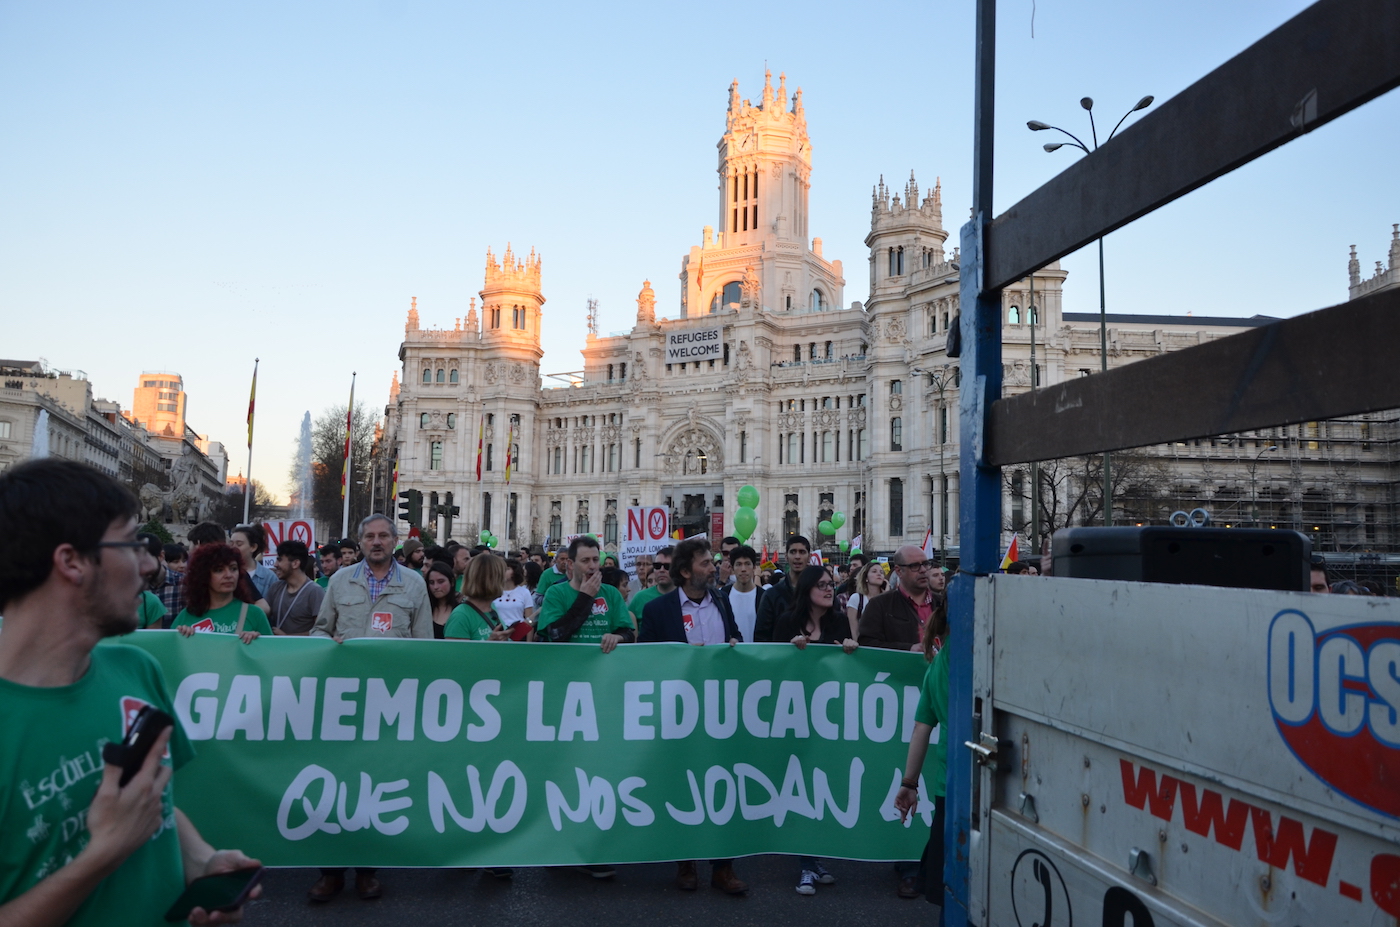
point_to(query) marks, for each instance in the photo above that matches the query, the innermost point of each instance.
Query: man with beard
(295, 599)
(70, 575)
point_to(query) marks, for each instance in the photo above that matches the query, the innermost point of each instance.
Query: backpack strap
(242, 617)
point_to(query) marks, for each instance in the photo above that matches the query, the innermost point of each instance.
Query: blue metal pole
(981, 485)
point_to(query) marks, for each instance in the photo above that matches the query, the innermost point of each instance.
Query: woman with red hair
(212, 600)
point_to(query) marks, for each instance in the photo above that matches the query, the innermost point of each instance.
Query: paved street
(864, 894)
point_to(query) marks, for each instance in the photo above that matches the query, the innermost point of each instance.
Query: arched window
(812, 350)
(892, 262)
(818, 304)
(896, 434)
(794, 451)
(828, 350)
(442, 375)
(423, 420)
(427, 376)
(797, 354)
(1035, 315)
(452, 377)
(727, 298)
(896, 387)
(452, 420)
(1013, 316)
(899, 260)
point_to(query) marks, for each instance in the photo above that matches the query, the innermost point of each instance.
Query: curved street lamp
(1035, 125)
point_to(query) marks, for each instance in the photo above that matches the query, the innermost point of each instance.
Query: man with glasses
(895, 620)
(660, 567)
(79, 847)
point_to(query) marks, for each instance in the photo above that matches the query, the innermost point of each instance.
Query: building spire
(1354, 268)
(412, 324)
(767, 91)
(782, 89)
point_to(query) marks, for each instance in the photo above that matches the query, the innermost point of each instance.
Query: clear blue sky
(189, 185)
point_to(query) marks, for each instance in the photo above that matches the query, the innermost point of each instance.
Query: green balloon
(843, 546)
(854, 551)
(826, 527)
(484, 536)
(491, 542)
(838, 519)
(745, 521)
(748, 497)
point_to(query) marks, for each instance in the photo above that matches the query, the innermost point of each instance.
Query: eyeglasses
(917, 567)
(826, 587)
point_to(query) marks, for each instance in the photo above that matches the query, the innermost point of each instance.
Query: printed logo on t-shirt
(382, 622)
(600, 606)
(688, 620)
(203, 627)
(131, 707)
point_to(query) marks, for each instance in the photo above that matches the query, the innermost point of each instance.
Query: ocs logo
(1335, 696)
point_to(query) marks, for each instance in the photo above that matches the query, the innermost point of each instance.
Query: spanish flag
(480, 443)
(510, 449)
(252, 400)
(1013, 552)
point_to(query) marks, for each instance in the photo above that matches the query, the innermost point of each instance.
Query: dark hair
(582, 540)
(1373, 587)
(863, 558)
(937, 626)
(153, 545)
(47, 503)
(437, 566)
(1017, 566)
(348, 544)
(614, 577)
(743, 552)
(328, 550)
(206, 559)
(533, 572)
(731, 539)
(451, 546)
(295, 550)
(207, 533)
(516, 571)
(797, 539)
(440, 554)
(684, 557)
(668, 551)
(256, 536)
(175, 552)
(835, 626)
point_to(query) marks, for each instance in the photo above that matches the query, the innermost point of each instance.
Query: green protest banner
(464, 753)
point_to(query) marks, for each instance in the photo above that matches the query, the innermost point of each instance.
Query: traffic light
(449, 512)
(434, 510)
(411, 508)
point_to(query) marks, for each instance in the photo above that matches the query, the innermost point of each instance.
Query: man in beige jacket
(375, 598)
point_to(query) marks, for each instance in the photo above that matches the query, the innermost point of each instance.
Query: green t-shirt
(609, 612)
(933, 710)
(225, 620)
(323, 581)
(639, 602)
(151, 612)
(548, 578)
(466, 623)
(50, 766)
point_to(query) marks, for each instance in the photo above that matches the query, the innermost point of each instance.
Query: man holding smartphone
(76, 847)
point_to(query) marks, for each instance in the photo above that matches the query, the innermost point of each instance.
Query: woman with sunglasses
(814, 619)
(213, 603)
(869, 582)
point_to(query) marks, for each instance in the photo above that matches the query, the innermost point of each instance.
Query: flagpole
(248, 484)
(349, 461)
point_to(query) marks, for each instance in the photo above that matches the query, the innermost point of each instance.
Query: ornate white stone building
(821, 404)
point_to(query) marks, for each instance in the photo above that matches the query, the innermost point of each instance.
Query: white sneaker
(823, 877)
(808, 885)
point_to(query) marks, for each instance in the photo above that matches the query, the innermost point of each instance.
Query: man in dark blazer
(693, 613)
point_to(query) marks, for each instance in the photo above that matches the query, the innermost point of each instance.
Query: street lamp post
(940, 379)
(1254, 484)
(1035, 125)
(1035, 464)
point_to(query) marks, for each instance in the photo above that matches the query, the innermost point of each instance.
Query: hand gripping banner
(464, 753)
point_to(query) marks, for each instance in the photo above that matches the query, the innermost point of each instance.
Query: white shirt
(510, 607)
(702, 620)
(745, 612)
(856, 600)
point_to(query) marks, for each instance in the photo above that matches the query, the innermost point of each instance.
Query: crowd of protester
(377, 585)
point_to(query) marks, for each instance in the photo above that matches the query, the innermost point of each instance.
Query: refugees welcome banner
(463, 753)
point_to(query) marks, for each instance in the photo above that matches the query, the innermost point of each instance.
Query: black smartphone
(131, 752)
(223, 892)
